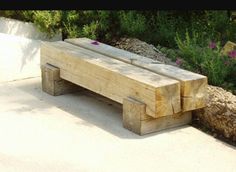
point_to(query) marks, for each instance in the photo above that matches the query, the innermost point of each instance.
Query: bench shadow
(93, 109)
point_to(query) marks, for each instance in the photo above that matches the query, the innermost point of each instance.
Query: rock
(220, 112)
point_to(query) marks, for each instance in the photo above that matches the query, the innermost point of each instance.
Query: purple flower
(232, 54)
(95, 43)
(212, 45)
(178, 61)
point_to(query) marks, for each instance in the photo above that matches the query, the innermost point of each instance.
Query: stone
(220, 113)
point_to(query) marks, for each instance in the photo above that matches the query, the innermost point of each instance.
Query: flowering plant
(205, 59)
(232, 54)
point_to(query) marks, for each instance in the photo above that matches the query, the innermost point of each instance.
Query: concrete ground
(81, 133)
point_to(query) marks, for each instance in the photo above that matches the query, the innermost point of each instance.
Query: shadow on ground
(93, 109)
(88, 106)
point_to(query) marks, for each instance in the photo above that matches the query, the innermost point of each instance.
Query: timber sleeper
(193, 85)
(151, 102)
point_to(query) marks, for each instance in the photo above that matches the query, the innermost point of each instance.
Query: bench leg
(53, 84)
(135, 119)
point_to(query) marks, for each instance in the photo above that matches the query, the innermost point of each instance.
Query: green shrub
(132, 23)
(49, 22)
(163, 26)
(156, 27)
(206, 59)
(89, 30)
(17, 14)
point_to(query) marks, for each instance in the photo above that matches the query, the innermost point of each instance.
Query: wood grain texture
(193, 85)
(165, 122)
(53, 84)
(112, 78)
(133, 111)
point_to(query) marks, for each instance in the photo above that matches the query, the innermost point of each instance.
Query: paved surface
(79, 133)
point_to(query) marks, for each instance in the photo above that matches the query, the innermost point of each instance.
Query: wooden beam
(133, 111)
(193, 85)
(111, 51)
(53, 84)
(112, 78)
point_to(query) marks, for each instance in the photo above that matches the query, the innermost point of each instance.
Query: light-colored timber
(193, 85)
(133, 111)
(53, 84)
(113, 78)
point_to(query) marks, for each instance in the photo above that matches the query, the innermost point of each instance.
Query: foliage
(48, 20)
(132, 24)
(17, 14)
(76, 23)
(156, 27)
(205, 59)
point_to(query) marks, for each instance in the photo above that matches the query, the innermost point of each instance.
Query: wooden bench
(151, 101)
(193, 85)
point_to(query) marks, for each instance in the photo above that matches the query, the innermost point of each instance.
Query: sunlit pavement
(78, 132)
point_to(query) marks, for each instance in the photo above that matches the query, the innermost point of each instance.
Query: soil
(218, 118)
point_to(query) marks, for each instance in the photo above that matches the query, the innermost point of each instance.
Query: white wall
(23, 29)
(20, 49)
